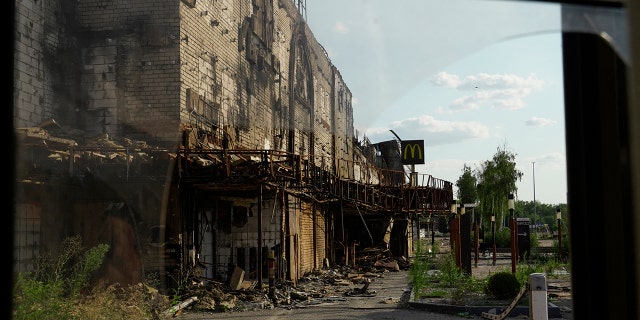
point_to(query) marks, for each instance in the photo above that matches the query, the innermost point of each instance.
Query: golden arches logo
(413, 148)
(412, 152)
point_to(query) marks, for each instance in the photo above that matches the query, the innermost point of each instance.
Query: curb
(553, 310)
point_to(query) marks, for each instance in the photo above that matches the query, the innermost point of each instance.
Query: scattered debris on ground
(321, 286)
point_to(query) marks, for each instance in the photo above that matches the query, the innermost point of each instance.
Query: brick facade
(250, 72)
(149, 97)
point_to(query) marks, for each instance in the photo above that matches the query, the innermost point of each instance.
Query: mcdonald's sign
(412, 151)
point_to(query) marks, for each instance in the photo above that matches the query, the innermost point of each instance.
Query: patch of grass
(524, 270)
(468, 288)
(59, 288)
(450, 275)
(438, 276)
(421, 266)
(436, 293)
(50, 291)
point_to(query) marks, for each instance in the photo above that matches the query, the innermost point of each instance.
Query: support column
(259, 266)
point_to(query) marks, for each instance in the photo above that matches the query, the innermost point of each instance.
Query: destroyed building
(211, 133)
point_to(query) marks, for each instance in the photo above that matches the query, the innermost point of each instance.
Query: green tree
(466, 184)
(496, 180)
(542, 213)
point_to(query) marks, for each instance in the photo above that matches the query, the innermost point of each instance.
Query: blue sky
(465, 76)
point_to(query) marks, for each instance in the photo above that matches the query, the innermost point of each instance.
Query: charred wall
(120, 77)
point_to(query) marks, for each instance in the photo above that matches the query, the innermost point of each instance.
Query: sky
(466, 76)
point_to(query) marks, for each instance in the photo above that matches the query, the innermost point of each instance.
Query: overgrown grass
(437, 275)
(59, 288)
(424, 261)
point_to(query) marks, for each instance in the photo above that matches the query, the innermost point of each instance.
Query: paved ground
(392, 300)
(393, 291)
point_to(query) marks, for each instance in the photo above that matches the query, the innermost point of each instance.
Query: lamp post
(535, 208)
(513, 231)
(433, 233)
(462, 212)
(493, 235)
(454, 230)
(476, 239)
(559, 218)
(419, 219)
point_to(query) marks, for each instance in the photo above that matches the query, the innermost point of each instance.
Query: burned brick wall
(311, 236)
(343, 131)
(224, 74)
(306, 240)
(99, 66)
(130, 74)
(39, 58)
(248, 72)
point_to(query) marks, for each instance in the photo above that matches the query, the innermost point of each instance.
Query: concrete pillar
(538, 306)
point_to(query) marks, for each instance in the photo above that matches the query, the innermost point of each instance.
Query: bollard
(538, 307)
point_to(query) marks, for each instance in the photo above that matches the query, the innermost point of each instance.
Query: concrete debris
(390, 301)
(321, 286)
(237, 278)
(392, 265)
(362, 292)
(180, 306)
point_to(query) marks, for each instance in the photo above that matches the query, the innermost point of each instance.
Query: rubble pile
(320, 286)
(374, 258)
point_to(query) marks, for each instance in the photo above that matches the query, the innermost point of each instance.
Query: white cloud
(446, 80)
(485, 81)
(375, 132)
(449, 169)
(554, 159)
(539, 122)
(436, 132)
(465, 103)
(340, 27)
(498, 91)
(443, 110)
(507, 103)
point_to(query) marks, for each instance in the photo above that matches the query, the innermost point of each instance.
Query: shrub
(524, 270)
(503, 238)
(49, 290)
(450, 273)
(503, 285)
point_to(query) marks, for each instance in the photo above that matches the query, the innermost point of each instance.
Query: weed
(439, 276)
(525, 269)
(453, 283)
(51, 290)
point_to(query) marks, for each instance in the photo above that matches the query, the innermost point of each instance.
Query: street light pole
(535, 205)
(493, 235)
(433, 233)
(559, 217)
(476, 239)
(454, 231)
(513, 232)
(459, 235)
